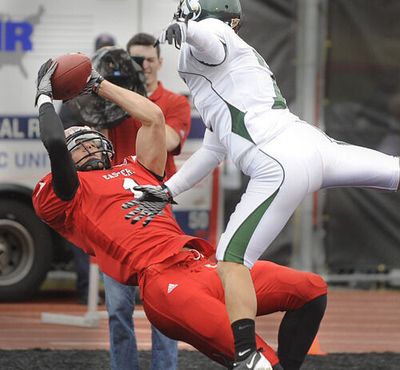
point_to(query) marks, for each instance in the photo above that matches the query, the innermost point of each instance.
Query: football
(70, 76)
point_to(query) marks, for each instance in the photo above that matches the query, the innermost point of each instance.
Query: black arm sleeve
(65, 178)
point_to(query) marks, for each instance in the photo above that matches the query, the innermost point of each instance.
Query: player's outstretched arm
(151, 150)
(65, 179)
(198, 166)
(206, 46)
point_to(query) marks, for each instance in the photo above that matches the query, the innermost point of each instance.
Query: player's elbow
(156, 118)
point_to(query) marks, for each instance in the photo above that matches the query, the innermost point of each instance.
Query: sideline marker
(315, 348)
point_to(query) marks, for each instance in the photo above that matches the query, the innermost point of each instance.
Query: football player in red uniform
(182, 294)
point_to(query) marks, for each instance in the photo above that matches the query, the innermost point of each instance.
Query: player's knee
(317, 285)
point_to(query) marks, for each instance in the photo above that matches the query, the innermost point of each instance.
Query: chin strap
(95, 164)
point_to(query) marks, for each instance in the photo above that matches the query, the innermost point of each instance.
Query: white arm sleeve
(205, 45)
(198, 166)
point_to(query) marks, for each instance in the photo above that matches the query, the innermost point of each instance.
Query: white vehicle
(30, 33)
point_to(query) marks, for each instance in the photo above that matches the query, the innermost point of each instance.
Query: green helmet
(227, 11)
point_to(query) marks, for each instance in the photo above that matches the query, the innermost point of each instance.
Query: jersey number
(129, 184)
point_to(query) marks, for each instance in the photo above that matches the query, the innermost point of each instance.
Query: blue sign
(15, 36)
(194, 222)
(19, 128)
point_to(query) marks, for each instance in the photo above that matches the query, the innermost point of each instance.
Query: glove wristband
(168, 193)
(43, 98)
(96, 85)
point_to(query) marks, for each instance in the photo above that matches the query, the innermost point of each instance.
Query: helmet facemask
(96, 140)
(188, 9)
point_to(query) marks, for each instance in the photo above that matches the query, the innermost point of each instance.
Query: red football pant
(185, 301)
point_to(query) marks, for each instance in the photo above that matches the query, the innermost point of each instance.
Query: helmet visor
(86, 138)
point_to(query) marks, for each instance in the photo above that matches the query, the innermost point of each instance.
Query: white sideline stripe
(88, 343)
(90, 319)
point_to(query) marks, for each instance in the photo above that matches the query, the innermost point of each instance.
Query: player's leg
(297, 332)
(303, 296)
(333, 163)
(241, 304)
(120, 302)
(351, 165)
(274, 191)
(193, 310)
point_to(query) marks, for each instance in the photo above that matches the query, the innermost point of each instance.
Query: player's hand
(144, 210)
(150, 204)
(151, 193)
(93, 84)
(43, 81)
(174, 33)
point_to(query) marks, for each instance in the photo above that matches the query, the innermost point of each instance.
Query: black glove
(175, 32)
(150, 204)
(93, 85)
(43, 81)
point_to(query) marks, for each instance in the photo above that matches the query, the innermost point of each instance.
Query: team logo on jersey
(171, 287)
(41, 186)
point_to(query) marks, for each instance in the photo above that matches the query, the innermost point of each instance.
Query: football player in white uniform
(247, 119)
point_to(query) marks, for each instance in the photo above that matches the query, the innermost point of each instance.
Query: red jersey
(176, 110)
(94, 220)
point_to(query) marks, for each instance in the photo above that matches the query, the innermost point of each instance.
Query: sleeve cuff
(44, 99)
